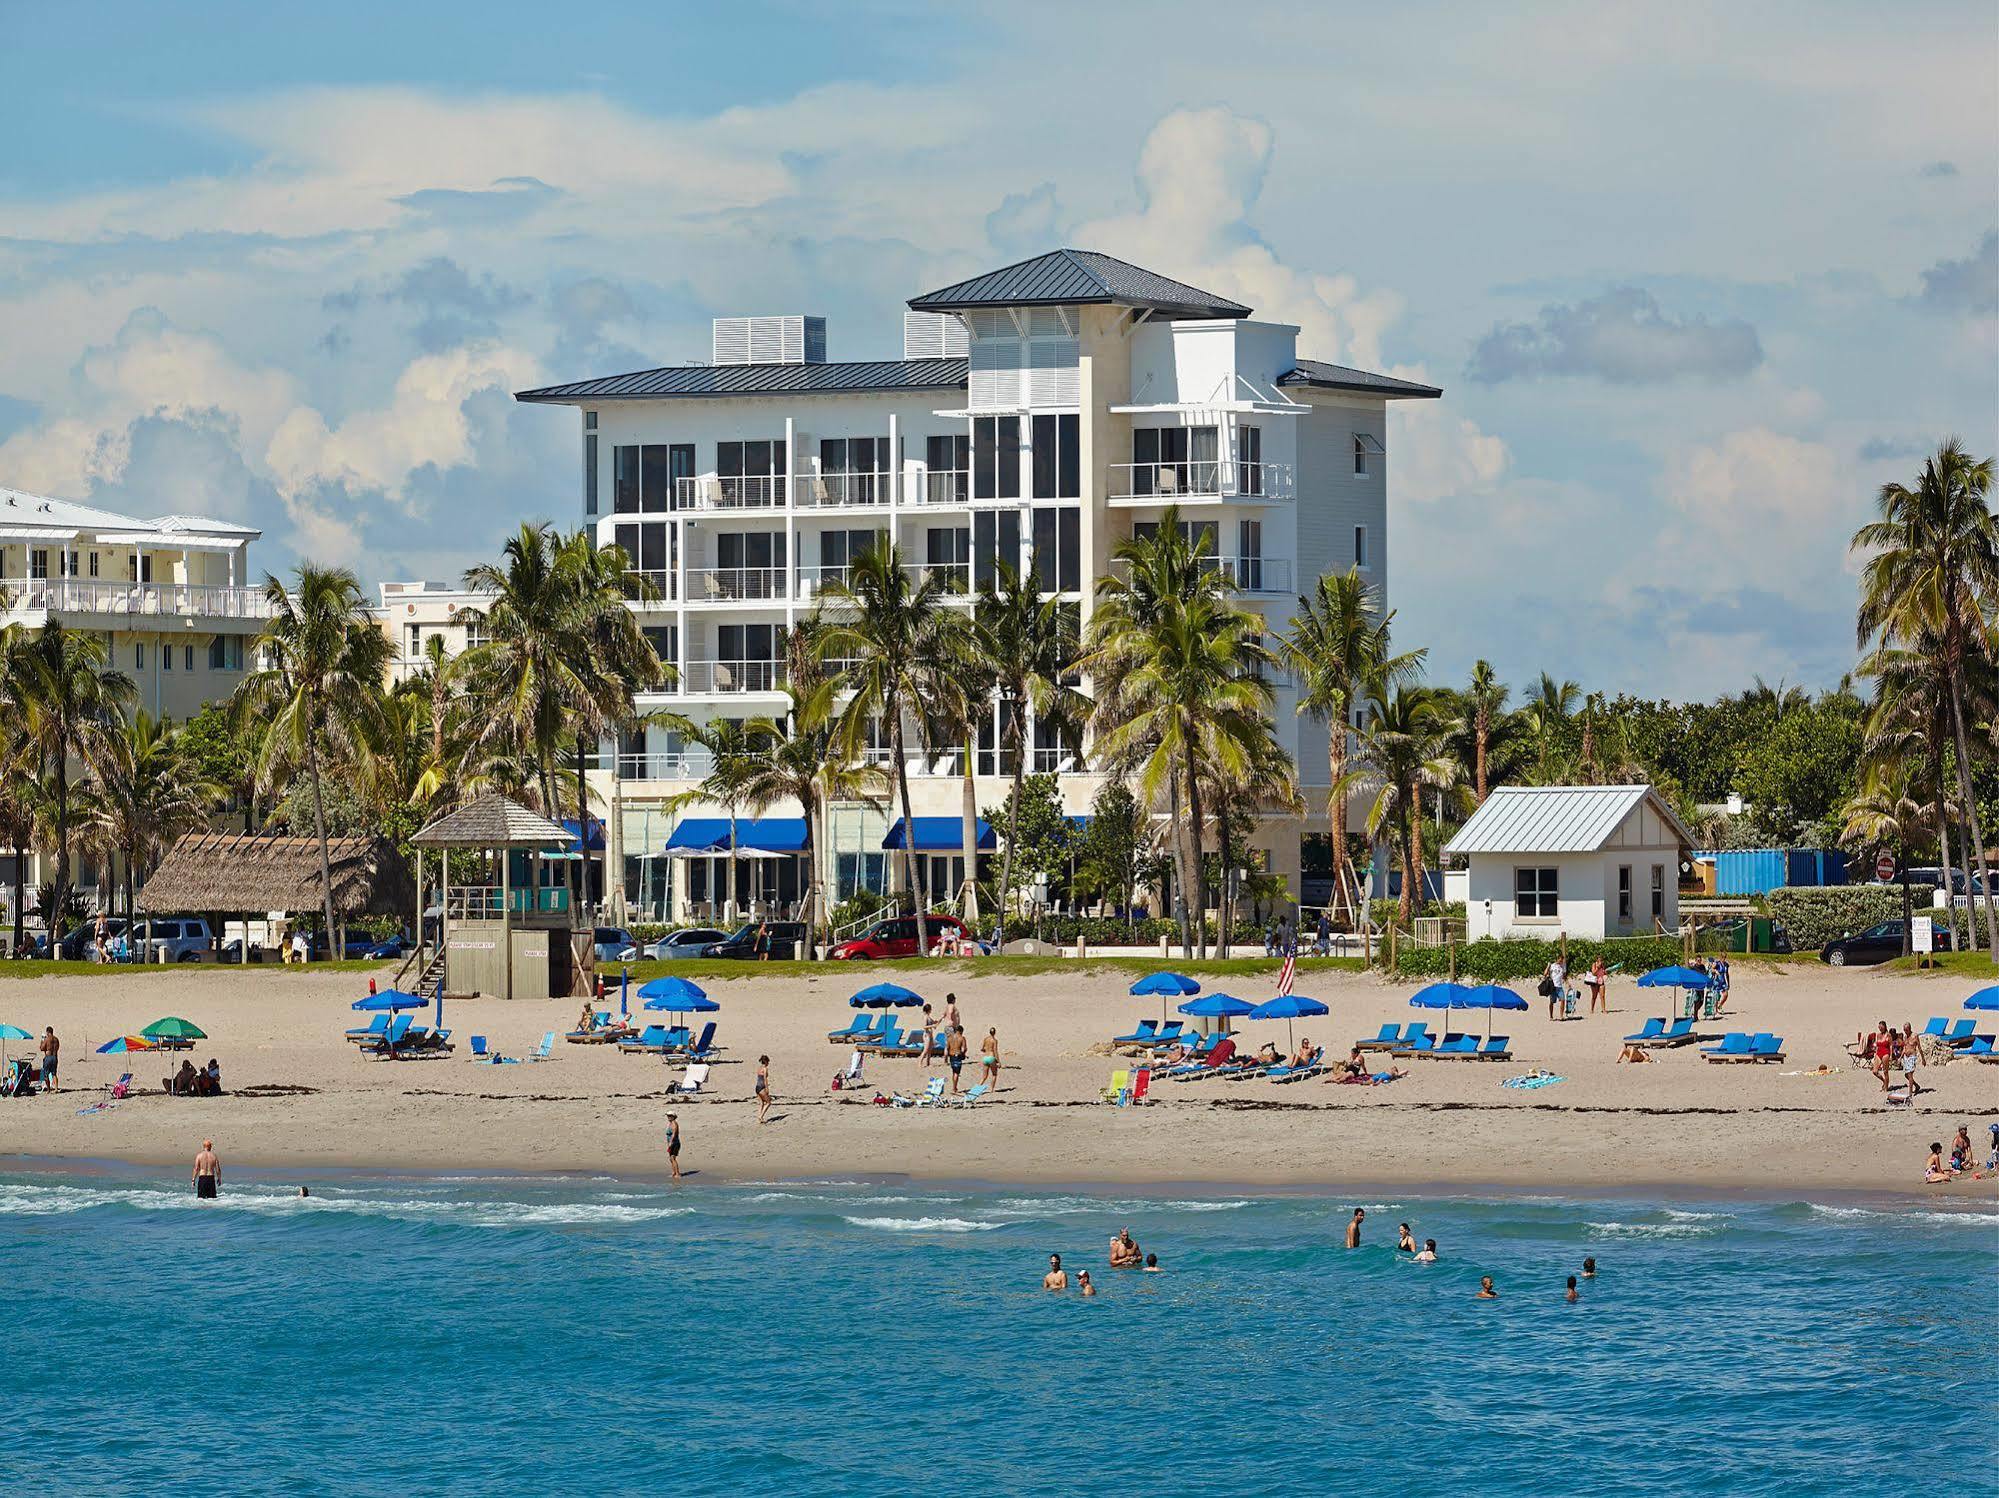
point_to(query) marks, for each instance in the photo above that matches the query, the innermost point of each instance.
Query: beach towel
(1533, 1080)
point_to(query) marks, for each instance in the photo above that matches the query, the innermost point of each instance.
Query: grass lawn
(1973, 965)
(28, 968)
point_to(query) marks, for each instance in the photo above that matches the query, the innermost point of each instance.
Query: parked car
(81, 944)
(389, 946)
(689, 943)
(174, 938)
(787, 939)
(612, 942)
(1878, 943)
(1931, 878)
(896, 937)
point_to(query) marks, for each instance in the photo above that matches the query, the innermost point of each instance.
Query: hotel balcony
(1259, 575)
(845, 491)
(738, 585)
(1200, 482)
(103, 601)
(649, 586)
(732, 678)
(730, 493)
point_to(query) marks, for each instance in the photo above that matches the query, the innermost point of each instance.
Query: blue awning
(942, 835)
(771, 834)
(700, 835)
(1080, 823)
(594, 843)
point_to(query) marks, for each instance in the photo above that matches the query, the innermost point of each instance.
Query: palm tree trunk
(581, 895)
(1198, 892)
(1414, 895)
(1228, 875)
(1174, 821)
(909, 865)
(20, 894)
(319, 831)
(1480, 735)
(1971, 810)
(52, 917)
(814, 891)
(1012, 832)
(1336, 810)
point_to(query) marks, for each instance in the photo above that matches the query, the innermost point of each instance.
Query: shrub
(1813, 916)
(1491, 961)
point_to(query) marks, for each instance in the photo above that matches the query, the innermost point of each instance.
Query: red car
(897, 938)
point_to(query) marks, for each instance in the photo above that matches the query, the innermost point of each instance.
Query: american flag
(1286, 973)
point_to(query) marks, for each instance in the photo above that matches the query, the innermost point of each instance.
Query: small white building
(1585, 860)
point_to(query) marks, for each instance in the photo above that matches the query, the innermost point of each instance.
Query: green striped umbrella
(173, 1028)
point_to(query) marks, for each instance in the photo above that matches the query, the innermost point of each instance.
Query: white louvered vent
(933, 335)
(1052, 376)
(994, 384)
(792, 339)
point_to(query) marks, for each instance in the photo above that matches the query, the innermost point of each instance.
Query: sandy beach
(299, 1095)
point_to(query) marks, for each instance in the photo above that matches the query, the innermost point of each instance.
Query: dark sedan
(1878, 943)
(773, 939)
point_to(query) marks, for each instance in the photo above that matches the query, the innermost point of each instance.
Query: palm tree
(70, 701)
(1262, 778)
(1484, 699)
(1934, 567)
(150, 793)
(319, 693)
(733, 761)
(897, 641)
(1404, 752)
(1181, 691)
(1547, 714)
(1338, 643)
(1028, 646)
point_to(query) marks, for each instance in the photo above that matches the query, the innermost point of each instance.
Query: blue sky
(1696, 278)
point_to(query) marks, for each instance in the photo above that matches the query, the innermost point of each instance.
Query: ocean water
(394, 1335)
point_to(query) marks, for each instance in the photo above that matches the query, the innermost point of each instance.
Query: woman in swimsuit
(673, 1143)
(989, 1058)
(763, 1089)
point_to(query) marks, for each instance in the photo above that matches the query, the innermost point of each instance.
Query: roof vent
(934, 335)
(793, 339)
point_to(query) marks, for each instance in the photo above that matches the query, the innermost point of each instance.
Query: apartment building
(172, 597)
(1041, 413)
(414, 614)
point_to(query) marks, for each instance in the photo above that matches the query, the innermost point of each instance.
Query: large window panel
(995, 538)
(656, 491)
(1046, 445)
(625, 480)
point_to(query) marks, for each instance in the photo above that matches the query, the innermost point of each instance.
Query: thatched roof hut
(239, 873)
(493, 821)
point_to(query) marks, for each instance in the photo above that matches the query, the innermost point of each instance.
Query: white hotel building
(1041, 414)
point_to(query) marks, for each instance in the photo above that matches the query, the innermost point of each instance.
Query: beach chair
(851, 1077)
(122, 1087)
(1679, 1032)
(1734, 1047)
(386, 1043)
(933, 1093)
(1960, 1034)
(437, 1044)
(374, 1030)
(1496, 1049)
(704, 1047)
(1312, 1067)
(651, 1040)
(1416, 1043)
(479, 1052)
(1455, 1048)
(968, 1098)
(1120, 1084)
(1143, 1035)
(1652, 1029)
(1170, 1034)
(1217, 1060)
(888, 1038)
(692, 1079)
(1141, 1087)
(1980, 1049)
(546, 1049)
(909, 1043)
(861, 1025)
(1766, 1047)
(1935, 1029)
(1387, 1040)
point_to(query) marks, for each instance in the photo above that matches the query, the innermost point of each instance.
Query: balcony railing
(663, 765)
(737, 584)
(702, 677)
(837, 490)
(938, 486)
(102, 596)
(721, 491)
(486, 903)
(952, 577)
(1170, 483)
(1249, 574)
(650, 585)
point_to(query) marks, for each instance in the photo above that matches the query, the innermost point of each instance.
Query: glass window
(995, 538)
(1359, 457)
(656, 493)
(1057, 465)
(187, 658)
(138, 657)
(1535, 895)
(1624, 893)
(589, 476)
(625, 480)
(950, 462)
(1360, 546)
(38, 563)
(680, 458)
(1204, 447)
(1144, 454)
(1069, 465)
(1044, 550)
(1249, 460)
(1045, 445)
(166, 657)
(996, 457)
(1658, 891)
(948, 545)
(93, 564)
(589, 421)
(665, 642)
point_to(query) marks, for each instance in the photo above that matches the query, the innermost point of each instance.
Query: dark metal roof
(881, 376)
(1069, 278)
(1338, 377)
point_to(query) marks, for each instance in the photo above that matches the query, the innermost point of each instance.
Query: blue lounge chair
(371, 1031)
(1679, 1032)
(703, 1048)
(1734, 1047)
(543, 1051)
(970, 1097)
(1456, 1047)
(1960, 1034)
(1172, 1033)
(651, 1040)
(479, 1052)
(1934, 1030)
(385, 1044)
(1312, 1067)
(887, 1038)
(862, 1025)
(1389, 1038)
(1143, 1035)
(1766, 1047)
(1652, 1029)
(1416, 1043)
(1980, 1049)
(1497, 1048)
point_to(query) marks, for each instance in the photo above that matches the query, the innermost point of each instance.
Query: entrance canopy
(943, 835)
(710, 837)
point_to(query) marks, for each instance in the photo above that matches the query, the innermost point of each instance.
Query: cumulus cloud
(1623, 336)
(1887, 449)
(1760, 507)
(1025, 223)
(1967, 285)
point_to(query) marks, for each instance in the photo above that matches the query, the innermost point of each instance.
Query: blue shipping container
(1757, 871)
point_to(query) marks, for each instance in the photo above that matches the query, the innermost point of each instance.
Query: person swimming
(1571, 1296)
(1152, 1264)
(1485, 1290)
(1405, 1242)
(1429, 1253)
(1083, 1282)
(1055, 1278)
(1589, 1269)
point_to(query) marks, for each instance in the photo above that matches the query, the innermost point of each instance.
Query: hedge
(1813, 916)
(1491, 961)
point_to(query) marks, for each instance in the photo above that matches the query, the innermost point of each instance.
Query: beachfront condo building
(1040, 414)
(171, 597)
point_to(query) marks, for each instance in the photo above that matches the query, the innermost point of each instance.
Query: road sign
(1922, 934)
(1884, 867)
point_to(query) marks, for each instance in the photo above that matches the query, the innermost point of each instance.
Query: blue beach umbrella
(1166, 986)
(11, 1032)
(670, 988)
(1985, 998)
(1217, 1006)
(1440, 996)
(1288, 1007)
(1674, 977)
(885, 996)
(389, 1000)
(625, 994)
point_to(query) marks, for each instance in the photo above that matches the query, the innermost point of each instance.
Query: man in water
(207, 1171)
(1405, 1241)
(1589, 1269)
(1353, 1228)
(1083, 1281)
(1124, 1251)
(1152, 1264)
(1055, 1278)
(673, 1144)
(1429, 1253)
(1485, 1290)
(1571, 1297)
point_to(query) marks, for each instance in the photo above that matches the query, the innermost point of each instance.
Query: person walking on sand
(207, 1172)
(1353, 1227)
(1597, 981)
(929, 1035)
(954, 1054)
(989, 1058)
(763, 1089)
(673, 1144)
(1558, 977)
(51, 1049)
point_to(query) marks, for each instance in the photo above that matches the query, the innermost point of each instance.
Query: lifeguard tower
(509, 931)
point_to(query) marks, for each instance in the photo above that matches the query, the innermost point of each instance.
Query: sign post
(1922, 938)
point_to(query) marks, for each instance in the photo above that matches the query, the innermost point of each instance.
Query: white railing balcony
(813, 581)
(952, 577)
(844, 490)
(937, 486)
(1257, 574)
(737, 584)
(1211, 480)
(702, 678)
(102, 596)
(663, 764)
(649, 585)
(721, 491)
